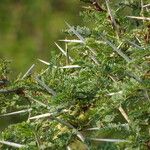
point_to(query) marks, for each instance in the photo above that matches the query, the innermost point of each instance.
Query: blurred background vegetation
(29, 28)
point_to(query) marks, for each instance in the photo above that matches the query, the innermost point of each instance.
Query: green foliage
(95, 96)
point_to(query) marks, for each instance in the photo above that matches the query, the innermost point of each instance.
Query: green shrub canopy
(94, 94)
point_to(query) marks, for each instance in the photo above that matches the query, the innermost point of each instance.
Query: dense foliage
(94, 94)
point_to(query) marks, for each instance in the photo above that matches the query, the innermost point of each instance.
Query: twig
(146, 94)
(139, 18)
(28, 71)
(12, 144)
(134, 76)
(75, 32)
(108, 140)
(44, 62)
(70, 67)
(16, 112)
(147, 5)
(114, 24)
(10, 91)
(65, 53)
(37, 140)
(117, 50)
(112, 78)
(94, 59)
(115, 93)
(135, 45)
(81, 38)
(142, 10)
(40, 116)
(124, 114)
(49, 90)
(33, 99)
(72, 41)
